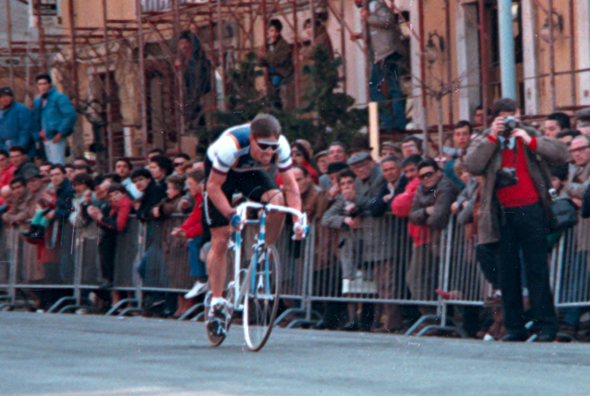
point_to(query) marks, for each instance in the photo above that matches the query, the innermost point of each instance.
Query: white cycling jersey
(231, 151)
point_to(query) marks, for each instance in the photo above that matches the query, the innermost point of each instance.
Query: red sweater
(402, 204)
(193, 226)
(524, 192)
(118, 216)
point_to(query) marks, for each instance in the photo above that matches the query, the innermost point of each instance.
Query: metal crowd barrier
(571, 276)
(7, 257)
(382, 261)
(462, 276)
(30, 268)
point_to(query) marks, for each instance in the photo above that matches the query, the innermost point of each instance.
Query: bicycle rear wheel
(262, 298)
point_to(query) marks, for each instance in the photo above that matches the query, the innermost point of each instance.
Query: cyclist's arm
(216, 194)
(291, 191)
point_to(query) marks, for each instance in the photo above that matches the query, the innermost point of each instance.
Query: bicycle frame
(240, 290)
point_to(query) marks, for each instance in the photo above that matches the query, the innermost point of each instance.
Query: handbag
(564, 213)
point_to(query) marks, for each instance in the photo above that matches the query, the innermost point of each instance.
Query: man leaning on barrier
(389, 232)
(326, 267)
(429, 215)
(62, 195)
(344, 215)
(372, 237)
(515, 207)
(393, 186)
(18, 212)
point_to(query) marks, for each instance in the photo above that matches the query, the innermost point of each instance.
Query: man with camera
(515, 208)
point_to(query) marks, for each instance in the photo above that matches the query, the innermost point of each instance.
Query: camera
(510, 123)
(506, 177)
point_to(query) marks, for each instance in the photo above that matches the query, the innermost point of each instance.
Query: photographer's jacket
(484, 157)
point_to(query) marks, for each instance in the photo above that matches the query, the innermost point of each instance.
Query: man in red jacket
(515, 207)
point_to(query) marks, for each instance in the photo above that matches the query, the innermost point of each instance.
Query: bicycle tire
(261, 301)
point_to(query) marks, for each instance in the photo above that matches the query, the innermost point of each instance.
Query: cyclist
(238, 161)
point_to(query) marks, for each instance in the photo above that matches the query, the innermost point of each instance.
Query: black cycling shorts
(252, 184)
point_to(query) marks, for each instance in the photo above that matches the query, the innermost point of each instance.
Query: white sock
(217, 300)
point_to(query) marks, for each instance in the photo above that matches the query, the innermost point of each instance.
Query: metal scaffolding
(97, 46)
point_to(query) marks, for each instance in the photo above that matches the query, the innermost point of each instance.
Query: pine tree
(333, 119)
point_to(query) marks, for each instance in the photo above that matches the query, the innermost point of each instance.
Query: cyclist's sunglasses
(264, 146)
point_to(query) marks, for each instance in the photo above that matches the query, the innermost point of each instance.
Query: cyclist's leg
(220, 235)
(275, 220)
(217, 261)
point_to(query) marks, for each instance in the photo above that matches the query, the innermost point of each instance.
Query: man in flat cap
(16, 122)
(371, 236)
(369, 177)
(321, 159)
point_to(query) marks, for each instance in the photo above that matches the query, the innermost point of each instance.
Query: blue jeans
(386, 72)
(198, 267)
(56, 153)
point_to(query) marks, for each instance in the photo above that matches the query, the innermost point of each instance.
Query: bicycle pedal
(216, 328)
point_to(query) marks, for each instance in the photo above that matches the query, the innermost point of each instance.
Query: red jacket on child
(193, 226)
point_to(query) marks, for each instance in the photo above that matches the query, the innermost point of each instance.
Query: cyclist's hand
(300, 231)
(235, 221)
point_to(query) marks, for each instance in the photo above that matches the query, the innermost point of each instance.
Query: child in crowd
(174, 246)
(84, 197)
(112, 220)
(343, 215)
(461, 172)
(193, 229)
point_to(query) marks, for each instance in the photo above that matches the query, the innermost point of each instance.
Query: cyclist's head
(265, 126)
(264, 138)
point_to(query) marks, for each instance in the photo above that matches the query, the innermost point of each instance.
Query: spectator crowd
(496, 183)
(499, 183)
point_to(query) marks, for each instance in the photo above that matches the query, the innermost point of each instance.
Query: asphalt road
(69, 355)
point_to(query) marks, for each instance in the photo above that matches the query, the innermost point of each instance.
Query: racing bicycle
(253, 286)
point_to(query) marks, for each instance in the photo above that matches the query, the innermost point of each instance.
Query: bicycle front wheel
(261, 300)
